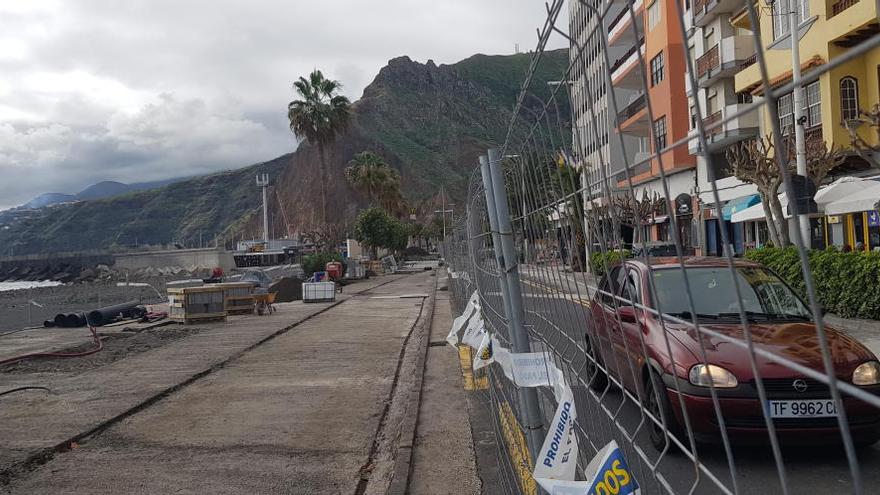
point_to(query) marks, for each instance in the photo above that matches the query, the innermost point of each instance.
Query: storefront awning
(756, 212)
(842, 188)
(864, 200)
(739, 204)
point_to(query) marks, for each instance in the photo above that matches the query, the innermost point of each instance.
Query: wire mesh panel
(680, 136)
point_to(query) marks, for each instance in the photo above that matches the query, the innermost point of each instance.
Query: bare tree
(867, 151)
(752, 162)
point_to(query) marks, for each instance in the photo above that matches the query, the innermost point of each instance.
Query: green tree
(318, 116)
(372, 228)
(369, 174)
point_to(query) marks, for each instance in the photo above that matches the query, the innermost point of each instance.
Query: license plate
(802, 408)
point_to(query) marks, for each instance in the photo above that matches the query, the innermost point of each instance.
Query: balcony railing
(700, 6)
(623, 58)
(711, 120)
(841, 6)
(812, 137)
(708, 61)
(631, 109)
(748, 62)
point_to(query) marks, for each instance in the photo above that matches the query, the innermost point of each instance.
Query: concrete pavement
(261, 409)
(443, 456)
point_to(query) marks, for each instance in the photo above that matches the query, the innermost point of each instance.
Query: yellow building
(828, 29)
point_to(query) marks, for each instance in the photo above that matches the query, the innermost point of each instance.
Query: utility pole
(263, 182)
(797, 101)
(505, 255)
(443, 211)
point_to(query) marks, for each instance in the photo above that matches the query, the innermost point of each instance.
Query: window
(653, 15)
(631, 289)
(657, 69)
(744, 97)
(849, 99)
(780, 16)
(693, 117)
(811, 107)
(708, 40)
(711, 103)
(660, 133)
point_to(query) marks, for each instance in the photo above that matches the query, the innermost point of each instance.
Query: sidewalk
(443, 458)
(297, 413)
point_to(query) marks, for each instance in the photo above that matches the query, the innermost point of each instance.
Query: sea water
(27, 284)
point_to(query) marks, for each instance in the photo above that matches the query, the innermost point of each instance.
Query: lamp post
(797, 102)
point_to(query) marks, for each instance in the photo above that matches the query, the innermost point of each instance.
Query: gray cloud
(151, 89)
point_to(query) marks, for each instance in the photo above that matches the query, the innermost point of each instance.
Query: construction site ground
(316, 398)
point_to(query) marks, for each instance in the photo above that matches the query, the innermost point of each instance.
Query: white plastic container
(318, 292)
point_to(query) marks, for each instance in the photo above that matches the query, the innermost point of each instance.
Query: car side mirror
(627, 314)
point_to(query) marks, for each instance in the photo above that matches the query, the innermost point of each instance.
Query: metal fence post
(502, 236)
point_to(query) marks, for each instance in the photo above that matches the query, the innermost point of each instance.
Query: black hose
(19, 389)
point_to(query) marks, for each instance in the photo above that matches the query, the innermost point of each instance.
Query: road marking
(471, 382)
(553, 290)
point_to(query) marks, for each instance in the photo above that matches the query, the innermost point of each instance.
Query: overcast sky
(152, 89)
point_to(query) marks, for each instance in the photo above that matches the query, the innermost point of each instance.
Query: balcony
(636, 124)
(841, 6)
(850, 22)
(719, 137)
(626, 72)
(724, 59)
(620, 30)
(635, 106)
(705, 10)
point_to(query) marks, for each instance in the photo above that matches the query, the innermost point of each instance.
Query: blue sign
(873, 218)
(614, 477)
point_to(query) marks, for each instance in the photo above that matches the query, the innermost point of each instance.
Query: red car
(780, 323)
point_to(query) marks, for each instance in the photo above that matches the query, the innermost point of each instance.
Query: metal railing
(677, 360)
(842, 5)
(708, 61)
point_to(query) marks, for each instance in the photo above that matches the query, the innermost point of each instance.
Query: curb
(403, 461)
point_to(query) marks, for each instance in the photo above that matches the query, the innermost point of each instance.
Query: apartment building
(616, 88)
(719, 50)
(722, 45)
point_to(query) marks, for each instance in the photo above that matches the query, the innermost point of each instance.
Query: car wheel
(657, 403)
(596, 378)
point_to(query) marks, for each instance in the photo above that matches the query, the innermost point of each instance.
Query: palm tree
(370, 175)
(318, 117)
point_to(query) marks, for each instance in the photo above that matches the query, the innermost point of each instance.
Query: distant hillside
(428, 121)
(179, 212)
(104, 189)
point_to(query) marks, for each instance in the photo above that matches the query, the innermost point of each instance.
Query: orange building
(661, 45)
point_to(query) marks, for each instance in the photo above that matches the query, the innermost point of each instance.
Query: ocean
(27, 284)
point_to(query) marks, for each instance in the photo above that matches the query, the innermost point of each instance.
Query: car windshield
(763, 293)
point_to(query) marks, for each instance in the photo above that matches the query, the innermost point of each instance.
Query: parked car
(659, 249)
(779, 323)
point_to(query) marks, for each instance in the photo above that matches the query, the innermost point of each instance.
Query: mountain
(47, 199)
(430, 122)
(104, 189)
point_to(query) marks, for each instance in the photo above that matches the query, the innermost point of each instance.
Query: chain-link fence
(673, 119)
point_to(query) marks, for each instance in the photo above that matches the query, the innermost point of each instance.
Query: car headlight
(867, 374)
(702, 375)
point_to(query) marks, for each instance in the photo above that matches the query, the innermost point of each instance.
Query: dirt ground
(116, 346)
(67, 299)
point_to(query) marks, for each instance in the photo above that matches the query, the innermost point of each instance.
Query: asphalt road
(557, 315)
